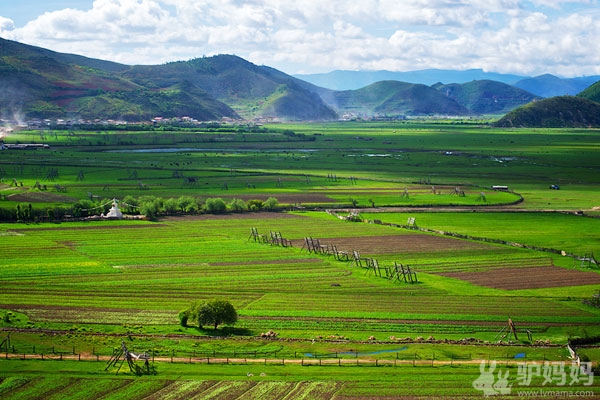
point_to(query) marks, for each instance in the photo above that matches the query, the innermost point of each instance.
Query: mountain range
(543, 85)
(39, 83)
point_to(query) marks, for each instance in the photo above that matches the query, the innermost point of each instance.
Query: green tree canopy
(214, 312)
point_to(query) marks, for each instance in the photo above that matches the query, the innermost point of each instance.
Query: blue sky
(307, 36)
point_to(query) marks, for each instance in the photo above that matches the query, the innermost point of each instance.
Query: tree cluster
(150, 206)
(214, 312)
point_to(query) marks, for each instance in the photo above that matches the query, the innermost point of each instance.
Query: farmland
(76, 289)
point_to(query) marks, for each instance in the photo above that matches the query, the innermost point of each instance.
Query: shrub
(255, 205)
(237, 205)
(215, 206)
(271, 203)
(184, 316)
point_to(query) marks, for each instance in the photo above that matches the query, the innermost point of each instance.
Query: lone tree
(214, 312)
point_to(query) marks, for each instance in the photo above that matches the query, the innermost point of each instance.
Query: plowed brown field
(398, 243)
(527, 278)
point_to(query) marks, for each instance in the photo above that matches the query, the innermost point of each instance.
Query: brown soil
(527, 278)
(292, 198)
(397, 244)
(244, 215)
(41, 197)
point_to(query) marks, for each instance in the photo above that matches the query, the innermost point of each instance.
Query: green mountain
(486, 97)
(39, 83)
(555, 112)
(591, 93)
(393, 98)
(251, 90)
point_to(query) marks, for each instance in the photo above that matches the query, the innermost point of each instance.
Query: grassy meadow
(79, 288)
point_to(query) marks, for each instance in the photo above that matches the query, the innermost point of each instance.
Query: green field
(77, 289)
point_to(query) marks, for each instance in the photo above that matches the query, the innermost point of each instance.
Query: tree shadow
(225, 331)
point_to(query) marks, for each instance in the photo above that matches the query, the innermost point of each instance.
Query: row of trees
(153, 207)
(150, 206)
(214, 312)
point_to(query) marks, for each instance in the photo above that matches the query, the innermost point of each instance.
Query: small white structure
(114, 212)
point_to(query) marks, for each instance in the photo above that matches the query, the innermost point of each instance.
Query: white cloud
(527, 37)
(6, 24)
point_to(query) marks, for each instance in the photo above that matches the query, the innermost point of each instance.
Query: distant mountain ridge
(487, 97)
(550, 86)
(395, 98)
(543, 86)
(351, 80)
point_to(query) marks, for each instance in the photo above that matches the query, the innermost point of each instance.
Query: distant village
(8, 125)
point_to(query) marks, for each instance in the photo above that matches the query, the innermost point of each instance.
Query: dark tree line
(150, 206)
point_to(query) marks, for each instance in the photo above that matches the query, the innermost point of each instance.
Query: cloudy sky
(308, 36)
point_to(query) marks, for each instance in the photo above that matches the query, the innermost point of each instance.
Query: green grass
(379, 156)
